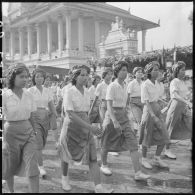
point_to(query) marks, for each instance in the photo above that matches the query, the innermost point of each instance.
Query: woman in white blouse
(44, 114)
(77, 133)
(19, 143)
(118, 134)
(135, 106)
(153, 130)
(179, 115)
(100, 93)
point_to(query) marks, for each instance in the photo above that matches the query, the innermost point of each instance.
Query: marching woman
(118, 135)
(153, 129)
(45, 115)
(161, 90)
(100, 94)
(179, 115)
(134, 104)
(19, 143)
(77, 132)
(94, 112)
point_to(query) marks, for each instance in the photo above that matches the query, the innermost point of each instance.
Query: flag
(175, 54)
(163, 57)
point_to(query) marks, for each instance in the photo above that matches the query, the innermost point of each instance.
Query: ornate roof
(21, 13)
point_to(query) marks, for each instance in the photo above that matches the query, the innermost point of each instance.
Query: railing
(54, 55)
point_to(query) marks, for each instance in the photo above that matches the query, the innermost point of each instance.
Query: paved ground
(178, 179)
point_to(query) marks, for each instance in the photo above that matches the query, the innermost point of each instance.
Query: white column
(60, 34)
(143, 40)
(38, 29)
(29, 38)
(68, 31)
(49, 37)
(12, 43)
(97, 35)
(21, 42)
(80, 32)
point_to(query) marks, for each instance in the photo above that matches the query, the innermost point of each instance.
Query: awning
(54, 70)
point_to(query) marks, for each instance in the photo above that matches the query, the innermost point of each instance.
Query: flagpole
(175, 54)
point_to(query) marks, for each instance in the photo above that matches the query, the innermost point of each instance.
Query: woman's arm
(128, 99)
(178, 97)
(52, 108)
(93, 104)
(112, 115)
(150, 108)
(80, 122)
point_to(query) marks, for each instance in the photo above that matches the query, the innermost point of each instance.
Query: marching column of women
(113, 116)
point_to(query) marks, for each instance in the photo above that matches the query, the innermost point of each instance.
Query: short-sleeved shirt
(161, 89)
(149, 91)
(16, 109)
(41, 99)
(117, 94)
(134, 88)
(179, 86)
(101, 90)
(76, 101)
(91, 91)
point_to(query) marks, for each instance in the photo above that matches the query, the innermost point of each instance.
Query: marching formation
(91, 112)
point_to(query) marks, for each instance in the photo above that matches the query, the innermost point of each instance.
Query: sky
(175, 28)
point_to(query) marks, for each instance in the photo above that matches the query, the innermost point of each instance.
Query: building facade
(66, 34)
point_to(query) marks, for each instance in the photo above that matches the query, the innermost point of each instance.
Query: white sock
(64, 177)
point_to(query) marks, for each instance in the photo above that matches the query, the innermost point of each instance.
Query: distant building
(66, 34)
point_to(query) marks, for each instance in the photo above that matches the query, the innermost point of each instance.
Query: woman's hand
(155, 118)
(97, 131)
(89, 113)
(117, 125)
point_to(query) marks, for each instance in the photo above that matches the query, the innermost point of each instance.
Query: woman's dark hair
(177, 67)
(15, 70)
(38, 71)
(106, 71)
(94, 79)
(137, 68)
(119, 65)
(149, 67)
(77, 71)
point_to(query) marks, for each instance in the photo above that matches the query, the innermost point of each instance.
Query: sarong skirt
(41, 124)
(113, 139)
(135, 109)
(75, 141)
(179, 121)
(22, 160)
(152, 133)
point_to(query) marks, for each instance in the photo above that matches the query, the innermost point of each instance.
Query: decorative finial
(129, 9)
